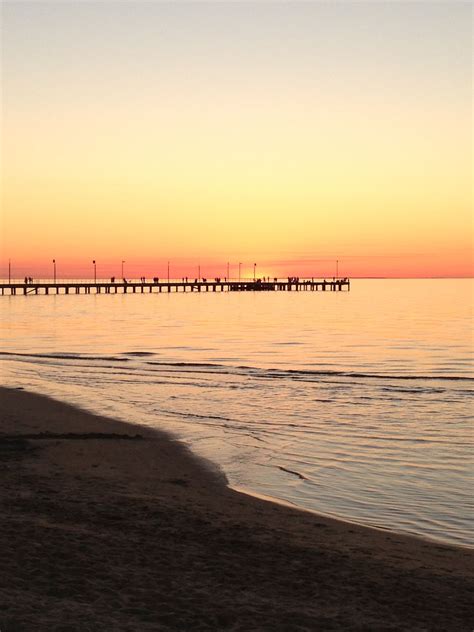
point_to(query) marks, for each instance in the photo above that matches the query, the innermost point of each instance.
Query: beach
(113, 526)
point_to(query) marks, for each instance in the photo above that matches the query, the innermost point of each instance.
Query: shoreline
(349, 522)
(106, 530)
(207, 459)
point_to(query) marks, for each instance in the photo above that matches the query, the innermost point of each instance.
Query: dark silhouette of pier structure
(142, 286)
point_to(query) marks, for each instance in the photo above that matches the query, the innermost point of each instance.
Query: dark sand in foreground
(105, 533)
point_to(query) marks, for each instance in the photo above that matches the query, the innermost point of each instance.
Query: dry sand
(106, 533)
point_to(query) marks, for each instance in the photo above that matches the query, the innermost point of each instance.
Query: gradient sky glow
(290, 134)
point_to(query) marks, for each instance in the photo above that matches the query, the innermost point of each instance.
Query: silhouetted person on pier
(112, 279)
(26, 280)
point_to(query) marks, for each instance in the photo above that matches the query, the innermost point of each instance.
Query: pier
(51, 287)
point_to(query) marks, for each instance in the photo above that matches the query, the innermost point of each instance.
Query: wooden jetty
(15, 288)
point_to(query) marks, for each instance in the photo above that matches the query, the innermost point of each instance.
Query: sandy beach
(110, 526)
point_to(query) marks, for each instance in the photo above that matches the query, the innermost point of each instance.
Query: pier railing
(29, 286)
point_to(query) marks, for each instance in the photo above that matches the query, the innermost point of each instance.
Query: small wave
(63, 356)
(287, 344)
(415, 390)
(138, 354)
(415, 440)
(384, 376)
(262, 373)
(177, 413)
(190, 364)
(301, 373)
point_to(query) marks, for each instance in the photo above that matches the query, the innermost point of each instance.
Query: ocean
(356, 405)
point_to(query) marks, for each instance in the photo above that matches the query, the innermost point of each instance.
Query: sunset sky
(287, 134)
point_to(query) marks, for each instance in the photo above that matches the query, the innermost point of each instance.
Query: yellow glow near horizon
(208, 160)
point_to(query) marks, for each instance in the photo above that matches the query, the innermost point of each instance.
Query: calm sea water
(356, 405)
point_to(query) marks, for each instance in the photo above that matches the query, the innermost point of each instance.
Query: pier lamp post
(122, 270)
(168, 271)
(54, 270)
(199, 272)
(240, 267)
(254, 272)
(95, 271)
(337, 268)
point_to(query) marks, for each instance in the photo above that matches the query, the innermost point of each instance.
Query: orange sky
(286, 135)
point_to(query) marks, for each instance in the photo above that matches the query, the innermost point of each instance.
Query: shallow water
(356, 405)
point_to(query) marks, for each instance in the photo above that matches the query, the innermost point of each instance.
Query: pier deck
(137, 286)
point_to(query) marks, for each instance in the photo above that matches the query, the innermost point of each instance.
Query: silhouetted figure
(26, 280)
(112, 279)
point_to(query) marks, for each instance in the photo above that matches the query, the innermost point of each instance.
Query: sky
(285, 134)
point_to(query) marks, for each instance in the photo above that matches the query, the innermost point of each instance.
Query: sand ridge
(105, 530)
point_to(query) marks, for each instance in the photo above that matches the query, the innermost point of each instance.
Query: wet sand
(102, 529)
